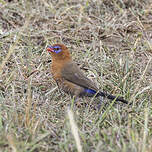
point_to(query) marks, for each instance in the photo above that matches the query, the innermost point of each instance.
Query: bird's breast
(56, 69)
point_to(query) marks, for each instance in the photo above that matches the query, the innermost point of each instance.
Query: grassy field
(111, 40)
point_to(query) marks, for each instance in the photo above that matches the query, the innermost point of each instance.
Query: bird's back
(71, 72)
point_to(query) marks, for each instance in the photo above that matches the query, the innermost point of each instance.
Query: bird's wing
(72, 73)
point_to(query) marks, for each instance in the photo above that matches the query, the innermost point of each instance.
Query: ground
(111, 41)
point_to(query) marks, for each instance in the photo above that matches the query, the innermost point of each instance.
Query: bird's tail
(109, 96)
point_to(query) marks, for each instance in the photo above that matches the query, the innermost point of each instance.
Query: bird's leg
(76, 101)
(71, 105)
(58, 87)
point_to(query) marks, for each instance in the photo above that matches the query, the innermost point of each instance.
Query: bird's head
(58, 51)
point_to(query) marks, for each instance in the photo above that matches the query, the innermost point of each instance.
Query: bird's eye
(57, 49)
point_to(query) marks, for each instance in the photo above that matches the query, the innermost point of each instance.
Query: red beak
(50, 49)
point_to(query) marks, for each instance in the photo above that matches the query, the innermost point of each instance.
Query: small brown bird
(70, 78)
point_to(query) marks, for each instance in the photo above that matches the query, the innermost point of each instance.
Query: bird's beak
(50, 49)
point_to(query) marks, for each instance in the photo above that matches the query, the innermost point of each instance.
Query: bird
(70, 78)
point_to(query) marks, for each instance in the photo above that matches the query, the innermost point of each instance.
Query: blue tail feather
(91, 93)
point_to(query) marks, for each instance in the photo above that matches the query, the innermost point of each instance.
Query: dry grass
(111, 40)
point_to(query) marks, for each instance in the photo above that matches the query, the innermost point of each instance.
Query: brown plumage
(70, 78)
